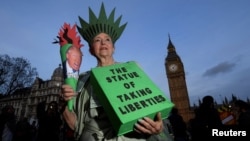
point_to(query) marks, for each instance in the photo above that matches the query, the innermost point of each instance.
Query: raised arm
(69, 116)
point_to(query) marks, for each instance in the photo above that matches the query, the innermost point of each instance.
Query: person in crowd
(34, 130)
(89, 121)
(178, 125)
(67, 133)
(206, 118)
(50, 122)
(23, 130)
(7, 123)
(40, 109)
(243, 111)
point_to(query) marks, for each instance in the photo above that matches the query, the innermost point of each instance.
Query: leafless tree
(15, 73)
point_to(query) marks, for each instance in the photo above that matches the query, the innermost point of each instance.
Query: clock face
(173, 67)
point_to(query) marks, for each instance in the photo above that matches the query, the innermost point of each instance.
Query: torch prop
(71, 56)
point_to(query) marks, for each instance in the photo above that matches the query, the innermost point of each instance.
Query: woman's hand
(149, 126)
(67, 92)
(69, 117)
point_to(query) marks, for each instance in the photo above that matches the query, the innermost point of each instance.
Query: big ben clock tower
(177, 82)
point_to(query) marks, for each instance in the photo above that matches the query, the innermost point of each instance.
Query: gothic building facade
(25, 100)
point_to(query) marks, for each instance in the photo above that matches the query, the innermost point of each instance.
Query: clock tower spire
(177, 82)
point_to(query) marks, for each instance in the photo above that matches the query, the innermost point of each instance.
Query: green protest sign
(128, 94)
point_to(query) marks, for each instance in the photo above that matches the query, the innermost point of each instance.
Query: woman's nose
(103, 41)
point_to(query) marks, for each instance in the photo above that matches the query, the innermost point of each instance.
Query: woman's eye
(96, 40)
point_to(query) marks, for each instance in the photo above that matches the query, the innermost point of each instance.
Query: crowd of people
(48, 127)
(52, 127)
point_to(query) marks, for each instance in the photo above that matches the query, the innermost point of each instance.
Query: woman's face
(102, 46)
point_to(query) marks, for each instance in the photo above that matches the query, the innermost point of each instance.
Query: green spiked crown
(101, 24)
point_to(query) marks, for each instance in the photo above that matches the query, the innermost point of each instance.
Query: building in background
(177, 83)
(25, 100)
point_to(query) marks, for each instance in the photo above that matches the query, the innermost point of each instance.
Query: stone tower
(177, 83)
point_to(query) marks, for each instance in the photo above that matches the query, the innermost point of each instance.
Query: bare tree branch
(15, 73)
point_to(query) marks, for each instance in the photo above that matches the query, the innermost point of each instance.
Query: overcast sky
(210, 36)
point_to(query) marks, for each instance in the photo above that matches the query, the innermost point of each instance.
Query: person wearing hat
(88, 118)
